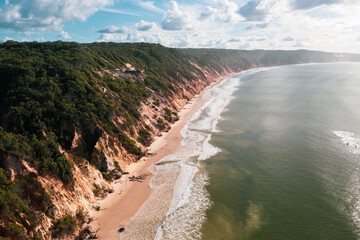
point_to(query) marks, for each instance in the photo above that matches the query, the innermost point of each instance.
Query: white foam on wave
(190, 198)
(349, 139)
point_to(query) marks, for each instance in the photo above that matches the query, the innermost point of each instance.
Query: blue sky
(328, 25)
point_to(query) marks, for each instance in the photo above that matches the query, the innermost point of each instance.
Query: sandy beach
(119, 207)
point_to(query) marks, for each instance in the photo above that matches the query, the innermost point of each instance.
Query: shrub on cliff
(64, 226)
(42, 154)
(107, 177)
(15, 216)
(35, 194)
(144, 137)
(168, 115)
(160, 123)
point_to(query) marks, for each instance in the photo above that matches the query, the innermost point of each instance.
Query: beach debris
(86, 233)
(116, 174)
(96, 208)
(93, 236)
(140, 178)
(125, 173)
(121, 229)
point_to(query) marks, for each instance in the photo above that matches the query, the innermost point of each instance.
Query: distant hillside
(72, 116)
(218, 58)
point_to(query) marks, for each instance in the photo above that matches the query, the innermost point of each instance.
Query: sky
(326, 25)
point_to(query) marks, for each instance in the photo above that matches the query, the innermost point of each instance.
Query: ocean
(289, 166)
(273, 154)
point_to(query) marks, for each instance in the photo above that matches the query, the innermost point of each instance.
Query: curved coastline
(134, 204)
(119, 207)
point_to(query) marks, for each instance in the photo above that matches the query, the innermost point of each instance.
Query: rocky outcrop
(108, 153)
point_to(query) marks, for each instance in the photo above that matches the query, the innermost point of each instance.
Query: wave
(190, 198)
(349, 139)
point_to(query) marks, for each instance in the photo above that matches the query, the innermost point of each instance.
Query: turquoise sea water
(289, 160)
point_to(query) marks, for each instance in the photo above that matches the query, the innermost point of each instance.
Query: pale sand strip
(129, 196)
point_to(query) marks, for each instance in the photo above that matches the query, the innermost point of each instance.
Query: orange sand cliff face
(89, 184)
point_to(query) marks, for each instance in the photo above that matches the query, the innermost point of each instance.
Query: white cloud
(227, 10)
(258, 25)
(40, 39)
(288, 39)
(234, 39)
(124, 34)
(112, 10)
(253, 11)
(28, 33)
(209, 12)
(274, 25)
(252, 39)
(175, 19)
(308, 4)
(113, 29)
(144, 26)
(6, 39)
(149, 5)
(63, 35)
(25, 15)
(104, 37)
(298, 45)
(132, 36)
(224, 10)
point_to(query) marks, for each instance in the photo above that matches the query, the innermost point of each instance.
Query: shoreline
(128, 197)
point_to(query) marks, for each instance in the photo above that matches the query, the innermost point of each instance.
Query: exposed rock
(106, 151)
(77, 145)
(66, 200)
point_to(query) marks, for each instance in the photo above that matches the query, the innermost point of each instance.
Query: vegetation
(97, 191)
(160, 123)
(64, 226)
(48, 86)
(107, 177)
(80, 216)
(35, 194)
(44, 155)
(49, 90)
(17, 218)
(168, 114)
(144, 137)
(157, 102)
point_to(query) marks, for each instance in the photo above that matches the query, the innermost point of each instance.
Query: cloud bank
(175, 19)
(247, 24)
(26, 15)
